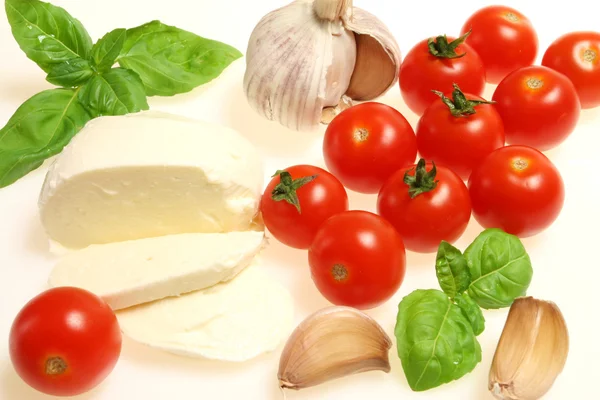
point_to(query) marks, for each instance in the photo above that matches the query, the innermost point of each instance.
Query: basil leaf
(500, 269)
(39, 129)
(116, 92)
(451, 270)
(170, 60)
(107, 49)
(435, 341)
(472, 311)
(70, 73)
(47, 34)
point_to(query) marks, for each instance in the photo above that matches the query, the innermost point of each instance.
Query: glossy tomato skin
(504, 38)
(517, 189)
(426, 220)
(357, 259)
(539, 107)
(68, 324)
(577, 55)
(459, 143)
(320, 199)
(422, 72)
(367, 143)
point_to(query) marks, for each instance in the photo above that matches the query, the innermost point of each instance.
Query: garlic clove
(378, 57)
(532, 351)
(330, 344)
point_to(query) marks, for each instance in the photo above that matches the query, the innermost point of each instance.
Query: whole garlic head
(307, 61)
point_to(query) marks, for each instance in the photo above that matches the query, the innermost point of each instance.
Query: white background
(565, 259)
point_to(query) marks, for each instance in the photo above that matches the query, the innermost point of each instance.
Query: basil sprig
(153, 59)
(436, 331)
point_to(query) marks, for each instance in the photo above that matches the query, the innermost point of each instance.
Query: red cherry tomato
(577, 55)
(367, 143)
(504, 39)
(298, 200)
(518, 190)
(459, 133)
(65, 341)
(539, 107)
(433, 206)
(357, 259)
(426, 68)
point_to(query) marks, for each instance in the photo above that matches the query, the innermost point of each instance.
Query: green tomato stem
(286, 189)
(422, 181)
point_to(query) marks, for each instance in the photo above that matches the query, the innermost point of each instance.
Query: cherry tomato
(577, 55)
(426, 207)
(357, 259)
(460, 132)
(298, 200)
(539, 107)
(504, 39)
(65, 341)
(518, 190)
(434, 64)
(367, 143)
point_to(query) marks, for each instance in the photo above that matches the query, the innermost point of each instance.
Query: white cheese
(150, 174)
(233, 321)
(139, 271)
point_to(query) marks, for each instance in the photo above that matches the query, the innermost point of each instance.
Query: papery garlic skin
(330, 344)
(531, 353)
(302, 61)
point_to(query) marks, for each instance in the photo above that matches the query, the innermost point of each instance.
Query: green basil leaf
(452, 270)
(47, 34)
(70, 73)
(472, 311)
(107, 49)
(435, 341)
(116, 92)
(500, 269)
(39, 129)
(170, 60)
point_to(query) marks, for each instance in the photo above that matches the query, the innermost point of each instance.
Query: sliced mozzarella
(150, 174)
(233, 321)
(139, 271)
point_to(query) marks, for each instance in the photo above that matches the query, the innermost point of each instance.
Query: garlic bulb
(307, 61)
(330, 344)
(531, 353)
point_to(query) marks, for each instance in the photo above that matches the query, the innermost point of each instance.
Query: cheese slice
(233, 321)
(135, 272)
(150, 174)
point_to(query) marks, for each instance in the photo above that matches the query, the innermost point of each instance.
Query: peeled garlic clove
(302, 59)
(330, 344)
(532, 351)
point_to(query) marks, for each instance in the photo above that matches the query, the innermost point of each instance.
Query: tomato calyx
(286, 189)
(55, 366)
(459, 105)
(439, 46)
(422, 181)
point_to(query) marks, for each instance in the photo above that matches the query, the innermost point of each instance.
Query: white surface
(143, 175)
(565, 259)
(129, 273)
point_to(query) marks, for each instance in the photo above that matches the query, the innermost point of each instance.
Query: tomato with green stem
(357, 259)
(65, 341)
(367, 143)
(539, 107)
(459, 132)
(517, 189)
(298, 200)
(426, 206)
(577, 55)
(504, 38)
(438, 63)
